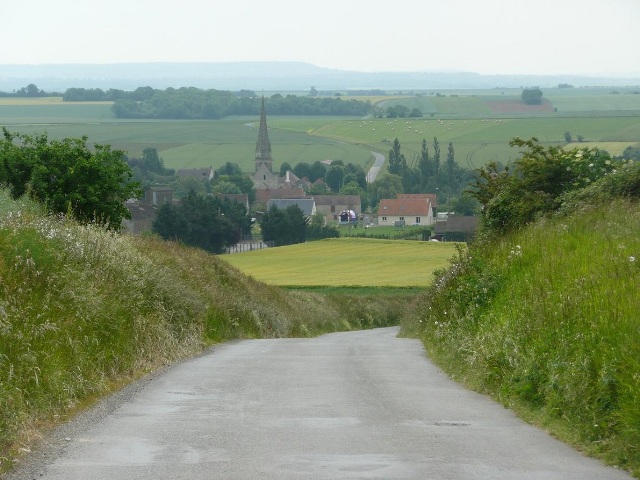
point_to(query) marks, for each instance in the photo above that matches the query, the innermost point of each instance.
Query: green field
(470, 119)
(347, 262)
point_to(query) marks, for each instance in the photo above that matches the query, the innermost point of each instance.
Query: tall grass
(547, 319)
(84, 310)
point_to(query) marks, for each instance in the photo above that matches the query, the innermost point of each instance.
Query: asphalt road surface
(357, 405)
(375, 168)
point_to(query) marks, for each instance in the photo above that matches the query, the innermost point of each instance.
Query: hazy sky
(484, 36)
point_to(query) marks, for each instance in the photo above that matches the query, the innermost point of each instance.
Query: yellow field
(347, 262)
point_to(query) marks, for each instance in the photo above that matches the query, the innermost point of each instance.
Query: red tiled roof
(406, 204)
(430, 196)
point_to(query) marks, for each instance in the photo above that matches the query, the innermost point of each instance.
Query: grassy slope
(83, 310)
(546, 320)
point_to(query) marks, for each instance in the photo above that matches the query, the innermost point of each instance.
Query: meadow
(347, 262)
(479, 129)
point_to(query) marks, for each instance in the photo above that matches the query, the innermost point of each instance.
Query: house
(144, 212)
(407, 209)
(202, 173)
(266, 194)
(142, 216)
(307, 205)
(330, 206)
(158, 195)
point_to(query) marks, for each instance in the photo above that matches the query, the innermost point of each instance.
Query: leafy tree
(302, 170)
(284, 168)
(358, 174)
(284, 226)
(228, 168)
(436, 156)
(185, 185)
(243, 183)
(30, 90)
(317, 229)
(385, 186)
(450, 165)
(225, 186)
(567, 137)
(170, 224)
(335, 176)
(317, 170)
(631, 153)
(465, 204)
(536, 183)
(69, 177)
(202, 221)
(319, 188)
(351, 188)
(397, 111)
(532, 96)
(397, 162)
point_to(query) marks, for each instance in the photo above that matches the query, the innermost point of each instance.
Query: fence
(248, 246)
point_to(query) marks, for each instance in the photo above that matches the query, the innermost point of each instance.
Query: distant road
(375, 169)
(356, 405)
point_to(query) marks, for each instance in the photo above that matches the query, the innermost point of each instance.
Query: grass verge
(546, 320)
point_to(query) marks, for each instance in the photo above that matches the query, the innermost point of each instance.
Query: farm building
(307, 205)
(407, 209)
(331, 205)
(144, 211)
(456, 227)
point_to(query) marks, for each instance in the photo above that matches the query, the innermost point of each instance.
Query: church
(264, 177)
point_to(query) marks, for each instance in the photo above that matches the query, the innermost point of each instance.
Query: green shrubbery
(542, 310)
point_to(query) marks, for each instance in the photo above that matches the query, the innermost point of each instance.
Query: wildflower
(632, 259)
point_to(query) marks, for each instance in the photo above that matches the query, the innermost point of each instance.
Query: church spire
(263, 145)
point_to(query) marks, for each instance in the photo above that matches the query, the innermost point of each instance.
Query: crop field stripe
(347, 262)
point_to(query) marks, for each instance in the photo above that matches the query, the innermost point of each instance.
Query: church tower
(264, 177)
(263, 145)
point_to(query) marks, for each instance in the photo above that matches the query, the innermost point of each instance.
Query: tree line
(192, 103)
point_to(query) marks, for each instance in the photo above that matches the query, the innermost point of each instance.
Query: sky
(586, 37)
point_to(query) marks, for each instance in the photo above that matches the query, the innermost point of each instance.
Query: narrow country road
(375, 168)
(356, 405)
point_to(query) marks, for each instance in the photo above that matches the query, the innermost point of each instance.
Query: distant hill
(270, 76)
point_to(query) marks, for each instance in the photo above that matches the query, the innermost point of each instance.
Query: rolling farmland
(480, 125)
